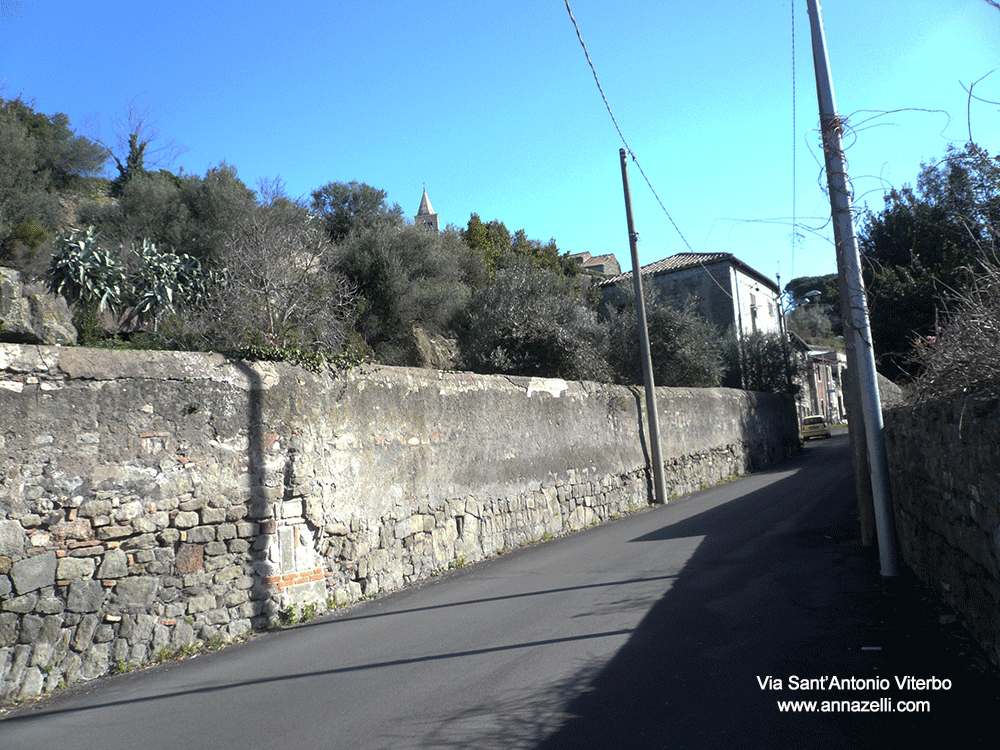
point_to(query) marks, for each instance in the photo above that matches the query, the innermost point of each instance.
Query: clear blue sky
(493, 107)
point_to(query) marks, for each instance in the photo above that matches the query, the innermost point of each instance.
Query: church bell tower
(425, 214)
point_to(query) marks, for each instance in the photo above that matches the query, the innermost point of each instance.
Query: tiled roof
(683, 261)
(674, 263)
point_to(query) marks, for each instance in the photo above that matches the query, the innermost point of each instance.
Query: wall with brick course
(151, 499)
(945, 476)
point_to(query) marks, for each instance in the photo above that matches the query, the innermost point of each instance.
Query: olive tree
(532, 321)
(685, 348)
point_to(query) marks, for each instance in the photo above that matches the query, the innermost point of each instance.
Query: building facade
(722, 288)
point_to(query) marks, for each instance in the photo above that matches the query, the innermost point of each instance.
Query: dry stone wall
(945, 476)
(150, 500)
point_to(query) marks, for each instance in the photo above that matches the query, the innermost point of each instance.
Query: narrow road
(652, 631)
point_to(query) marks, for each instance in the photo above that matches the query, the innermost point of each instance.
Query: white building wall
(756, 304)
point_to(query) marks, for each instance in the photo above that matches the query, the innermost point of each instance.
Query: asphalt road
(652, 631)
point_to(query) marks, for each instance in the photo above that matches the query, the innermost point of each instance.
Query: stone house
(724, 289)
(605, 265)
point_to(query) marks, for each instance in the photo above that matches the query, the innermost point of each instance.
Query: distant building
(606, 265)
(723, 289)
(819, 375)
(425, 214)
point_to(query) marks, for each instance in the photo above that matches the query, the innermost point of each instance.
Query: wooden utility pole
(854, 302)
(652, 416)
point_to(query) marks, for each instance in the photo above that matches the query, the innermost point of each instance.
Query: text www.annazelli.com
(882, 705)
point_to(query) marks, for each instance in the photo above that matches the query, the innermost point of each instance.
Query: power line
(620, 133)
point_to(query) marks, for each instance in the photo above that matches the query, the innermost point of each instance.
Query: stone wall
(945, 476)
(149, 500)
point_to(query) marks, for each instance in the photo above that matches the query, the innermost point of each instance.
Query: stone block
(137, 590)
(228, 574)
(127, 511)
(31, 684)
(217, 616)
(109, 533)
(213, 515)
(78, 529)
(201, 534)
(8, 629)
(260, 508)
(75, 568)
(169, 537)
(96, 660)
(291, 509)
(149, 523)
(238, 546)
(12, 538)
(84, 635)
(85, 596)
(286, 541)
(204, 603)
(186, 520)
(33, 573)
(114, 565)
(141, 542)
(95, 508)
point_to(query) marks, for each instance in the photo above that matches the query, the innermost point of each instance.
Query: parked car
(815, 425)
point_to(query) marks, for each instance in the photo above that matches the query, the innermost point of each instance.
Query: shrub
(530, 321)
(406, 276)
(759, 362)
(684, 346)
(277, 292)
(961, 360)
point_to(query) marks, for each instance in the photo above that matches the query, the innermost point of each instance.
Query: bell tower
(425, 214)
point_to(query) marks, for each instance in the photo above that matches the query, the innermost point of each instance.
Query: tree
(215, 205)
(406, 276)
(279, 289)
(183, 212)
(961, 360)
(685, 347)
(922, 245)
(811, 322)
(532, 321)
(39, 156)
(490, 240)
(826, 285)
(345, 207)
(138, 146)
(500, 249)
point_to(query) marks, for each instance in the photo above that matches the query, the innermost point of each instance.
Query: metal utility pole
(652, 415)
(857, 324)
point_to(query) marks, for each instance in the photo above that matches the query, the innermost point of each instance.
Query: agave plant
(161, 280)
(82, 270)
(150, 281)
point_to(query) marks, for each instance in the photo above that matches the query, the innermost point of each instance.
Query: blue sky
(493, 107)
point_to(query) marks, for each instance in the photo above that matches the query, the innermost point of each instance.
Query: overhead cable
(618, 128)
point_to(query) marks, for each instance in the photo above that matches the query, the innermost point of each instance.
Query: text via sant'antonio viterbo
(843, 702)
(833, 682)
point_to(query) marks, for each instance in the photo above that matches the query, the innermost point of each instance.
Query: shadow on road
(781, 587)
